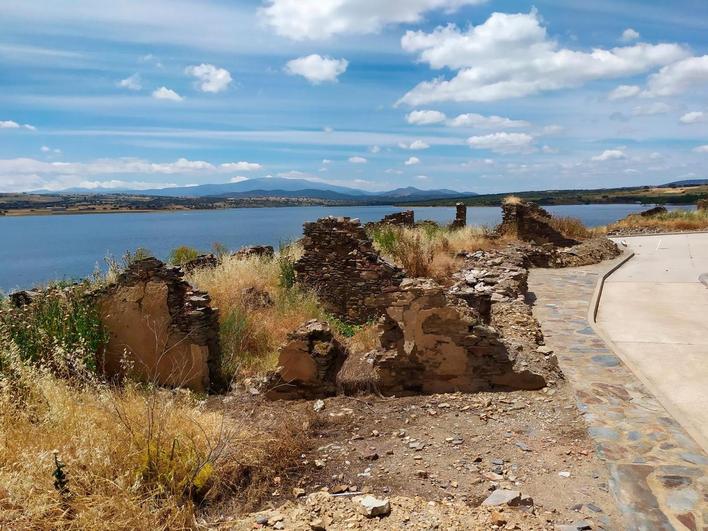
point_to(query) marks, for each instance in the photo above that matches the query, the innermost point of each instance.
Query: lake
(38, 249)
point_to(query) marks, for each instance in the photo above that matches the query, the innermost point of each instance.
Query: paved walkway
(659, 475)
(654, 311)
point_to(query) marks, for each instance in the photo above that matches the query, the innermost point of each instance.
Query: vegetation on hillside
(673, 221)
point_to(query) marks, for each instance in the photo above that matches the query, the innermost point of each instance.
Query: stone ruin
(406, 218)
(702, 204)
(261, 251)
(529, 222)
(653, 212)
(460, 216)
(203, 261)
(309, 363)
(342, 266)
(160, 329)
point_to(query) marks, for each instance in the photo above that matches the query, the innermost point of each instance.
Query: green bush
(60, 329)
(183, 254)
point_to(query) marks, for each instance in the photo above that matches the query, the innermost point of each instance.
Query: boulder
(653, 212)
(23, 298)
(308, 364)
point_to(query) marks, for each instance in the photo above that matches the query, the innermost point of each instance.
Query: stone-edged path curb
(658, 473)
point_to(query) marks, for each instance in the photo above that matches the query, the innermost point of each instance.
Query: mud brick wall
(160, 329)
(341, 265)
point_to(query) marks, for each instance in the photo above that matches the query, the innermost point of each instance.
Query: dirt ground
(441, 454)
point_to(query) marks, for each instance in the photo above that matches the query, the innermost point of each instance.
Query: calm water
(37, 249)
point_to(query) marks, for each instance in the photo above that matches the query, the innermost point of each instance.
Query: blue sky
(484, 96)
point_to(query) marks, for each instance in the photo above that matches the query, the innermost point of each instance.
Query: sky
(472, 95)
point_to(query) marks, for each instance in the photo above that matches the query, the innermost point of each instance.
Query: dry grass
(251, 334)
(135, 458)
(428, 251)
(512, 200)
(675, 221)
(571, 227)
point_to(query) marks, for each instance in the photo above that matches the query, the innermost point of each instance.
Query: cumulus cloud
(412, 161)
(487, 122)
(9, 124)
(47, 149)
(317, 69)
(416, 145)
(679, 77)
(694, 117)
(131, 83)
(375, 149)
(238, 179)
(422, 177)
(240, 166)
(623, 92)
(503, 142)
(701, 149)
(610, 154)
(358, 160)
(650, 110)
(630, 35)
(210, 78)
(163, 93)
(321, 19)
(425, 117)
(511, 55)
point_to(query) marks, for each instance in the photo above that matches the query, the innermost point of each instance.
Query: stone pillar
(460, 216)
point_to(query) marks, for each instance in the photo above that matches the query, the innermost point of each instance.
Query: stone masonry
(341, 265)
(531, 223)
(160, 329)
(460, 216)
(702, 204)
(406, 218)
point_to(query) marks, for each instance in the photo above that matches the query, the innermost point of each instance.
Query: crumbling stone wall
(203, 261)
(460, 216)
(702, 204)
(340, 263)
(160, 329)
(432, 343)
(405, 218)
(529, 222)
(261, 251)
(308, 363)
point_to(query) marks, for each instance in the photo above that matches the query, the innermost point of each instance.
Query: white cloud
(375, 149)
(425, 117)
(131, 83)
(610, 154)
(624, 91)
(630, 35)
(694, 117)
(240, 166)
(486, 122)
(416, 145)
(652, 109)
(552, 129)
(503, 142)
(422, 177)
(326, 161)
(317, 69)
(47, 149)
(358, 160)
(211, 79)
(549, 150)
(511, 55)
(238, 179)
(679, 77)
(701, 149)
(320, 19)
(412, 161)
(9, 124)
(393, 171)
(163, 93)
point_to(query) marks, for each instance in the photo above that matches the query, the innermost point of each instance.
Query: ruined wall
(405, 218)
(460, 216)
(308, 363)
(529, 222)
(160, 329)
(341, 264)
(432, 343)
(702, 204)
(262, 251)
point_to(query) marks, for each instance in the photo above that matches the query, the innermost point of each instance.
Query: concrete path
(654, 312)
(659, 474)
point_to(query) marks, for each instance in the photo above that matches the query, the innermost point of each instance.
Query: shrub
(181, 255)
(60, 329)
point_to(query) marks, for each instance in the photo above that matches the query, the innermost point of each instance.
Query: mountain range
(276, 187)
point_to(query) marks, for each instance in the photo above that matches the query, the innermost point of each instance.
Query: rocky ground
(430, 462)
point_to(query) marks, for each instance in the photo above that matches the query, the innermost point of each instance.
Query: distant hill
(688, 182)
(276, 187)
